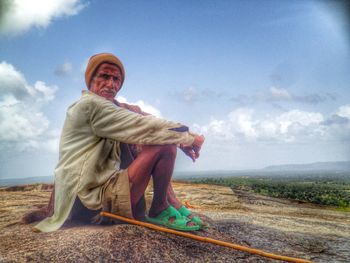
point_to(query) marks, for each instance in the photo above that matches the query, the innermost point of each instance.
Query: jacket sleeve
(110, 121)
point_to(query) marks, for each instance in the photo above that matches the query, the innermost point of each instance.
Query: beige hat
(97, 60)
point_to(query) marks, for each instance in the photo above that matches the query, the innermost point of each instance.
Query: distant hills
(318, 166)
(29, 180)
(287, 169)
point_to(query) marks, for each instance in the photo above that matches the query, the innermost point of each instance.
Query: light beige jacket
(90, 151)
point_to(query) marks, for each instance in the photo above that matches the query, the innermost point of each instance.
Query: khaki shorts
(116, 197)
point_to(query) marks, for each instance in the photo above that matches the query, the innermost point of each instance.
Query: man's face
(106, 81)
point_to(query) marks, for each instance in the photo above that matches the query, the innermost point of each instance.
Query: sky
(266, 82)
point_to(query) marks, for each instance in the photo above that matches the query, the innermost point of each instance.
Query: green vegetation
(333, 191)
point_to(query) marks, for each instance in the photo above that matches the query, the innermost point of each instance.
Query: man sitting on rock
(99, 161)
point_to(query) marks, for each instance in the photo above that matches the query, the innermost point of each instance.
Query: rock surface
(278, 226)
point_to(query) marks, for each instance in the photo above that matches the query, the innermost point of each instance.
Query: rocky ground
(274, 225)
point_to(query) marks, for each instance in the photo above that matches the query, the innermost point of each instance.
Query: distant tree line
(323, 192)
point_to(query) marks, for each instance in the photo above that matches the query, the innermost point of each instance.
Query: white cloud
(190, 94)
(241, 122)
(276, 95)
(247, 139)
(64, 69)
(280, 93)
(51, 143)
(344, 111)
(337, 126)
(42, 93)
(18, 16)
(143, 105)
(18, 122)
(240, 125)
(12, 81)
(297, 118)
(22, 123)
(217, 129)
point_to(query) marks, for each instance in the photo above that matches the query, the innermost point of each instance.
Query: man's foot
(171, 218)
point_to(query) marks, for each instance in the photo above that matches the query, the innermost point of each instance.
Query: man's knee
(168, 150)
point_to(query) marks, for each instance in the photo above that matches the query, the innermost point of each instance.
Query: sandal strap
(170, 212)
(184, 211)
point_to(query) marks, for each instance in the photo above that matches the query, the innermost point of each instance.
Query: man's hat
(97, 60)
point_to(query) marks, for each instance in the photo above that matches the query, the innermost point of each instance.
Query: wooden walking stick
(206, 239)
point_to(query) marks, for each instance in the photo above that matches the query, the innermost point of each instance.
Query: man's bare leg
(172, 197)
(157, 161)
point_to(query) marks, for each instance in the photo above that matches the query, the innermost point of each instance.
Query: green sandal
(180, 222)
(195, 219)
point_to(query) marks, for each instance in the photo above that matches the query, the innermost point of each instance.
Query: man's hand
(193, 150)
